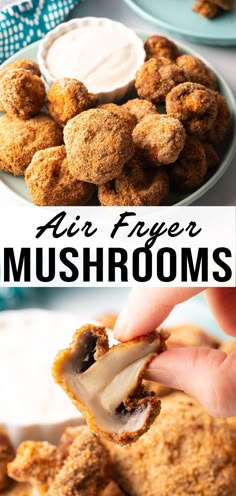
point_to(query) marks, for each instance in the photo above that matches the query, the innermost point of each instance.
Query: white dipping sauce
(29, 341)
(100, 55)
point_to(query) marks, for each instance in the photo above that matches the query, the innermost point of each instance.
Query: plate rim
(210, 183)
(206, 39)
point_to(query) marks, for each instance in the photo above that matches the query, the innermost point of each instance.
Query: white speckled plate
(17, 187)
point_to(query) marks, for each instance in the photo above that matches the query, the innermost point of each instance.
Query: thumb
(207, 375)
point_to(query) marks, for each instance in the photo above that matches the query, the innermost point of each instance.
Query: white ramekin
(41, 428)
(115, 93)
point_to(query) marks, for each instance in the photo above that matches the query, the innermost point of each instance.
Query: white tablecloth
(224, 60)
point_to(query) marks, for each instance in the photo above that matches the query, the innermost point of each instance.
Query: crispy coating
(108, 320)
(112, 489)
(159, 140)
(206, 9)
(28, 65)
(197, 71)
(98, 144)
(22, 93)
(68, 437)
(140, 108)
(218, 130)
(159, 46)
(122, 112)
(194, 105)
(6, 455)
(228, 346)
(186, 452)
(20, 140)
(35, 463)
(136, 186)
(67, 98)
(91, 339)
(50, 182)
(86, 468)
(190, 169)
(154, 80)
(212, 158)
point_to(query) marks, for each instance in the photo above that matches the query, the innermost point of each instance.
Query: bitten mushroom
(106, 384)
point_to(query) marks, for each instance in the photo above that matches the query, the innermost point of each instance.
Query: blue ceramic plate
(16, 185)
(177, 17)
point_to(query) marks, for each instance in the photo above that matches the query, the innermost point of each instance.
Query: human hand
(208, 375)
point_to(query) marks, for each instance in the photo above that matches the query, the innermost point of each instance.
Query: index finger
(147, 308)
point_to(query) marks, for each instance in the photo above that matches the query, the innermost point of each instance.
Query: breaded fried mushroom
(26, 64)
(190, 169)
(36, 464)
(122, 112)
(50, 182)
(86, 469)
(20, 140)
(106, 384)
(67, 98)
(158, 46)
(218, 130)
(212, 158)
(136, 186)
(159, 140)
(98, 144)
(197, 71)
(140, 109)
(206, 9)
(6, 455)
(186, 452)
(154, 81)
(22, 93)
(194, 105)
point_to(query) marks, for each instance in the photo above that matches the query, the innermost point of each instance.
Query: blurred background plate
(16, 185)
(176, 16)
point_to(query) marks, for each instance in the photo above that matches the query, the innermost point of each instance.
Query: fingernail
(162, 376)
(120, 329)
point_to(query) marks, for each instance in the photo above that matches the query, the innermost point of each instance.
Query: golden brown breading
(28, 65)
(206, 9)
(36, 464)
(212, 158)
(136, 186)
(194, 105)
(112, 489)
(20, 140)
(6, 455)
(50, 182)
(108, 320)
(22, 93)
(98, 144)
(154, 80)
(122, 112)
(159, 46)
(67, 98)
(197, 71)
(140, 108)
(86, 470)
(186, 452)
(121, 414)
(158, 140)
(219, 128)
(228, 346)
(190, 169)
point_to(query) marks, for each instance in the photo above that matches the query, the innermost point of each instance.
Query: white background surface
(224, 60)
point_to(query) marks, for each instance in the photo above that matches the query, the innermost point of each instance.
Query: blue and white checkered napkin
(28, 21)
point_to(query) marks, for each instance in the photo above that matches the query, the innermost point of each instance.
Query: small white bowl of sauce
(104, 54)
